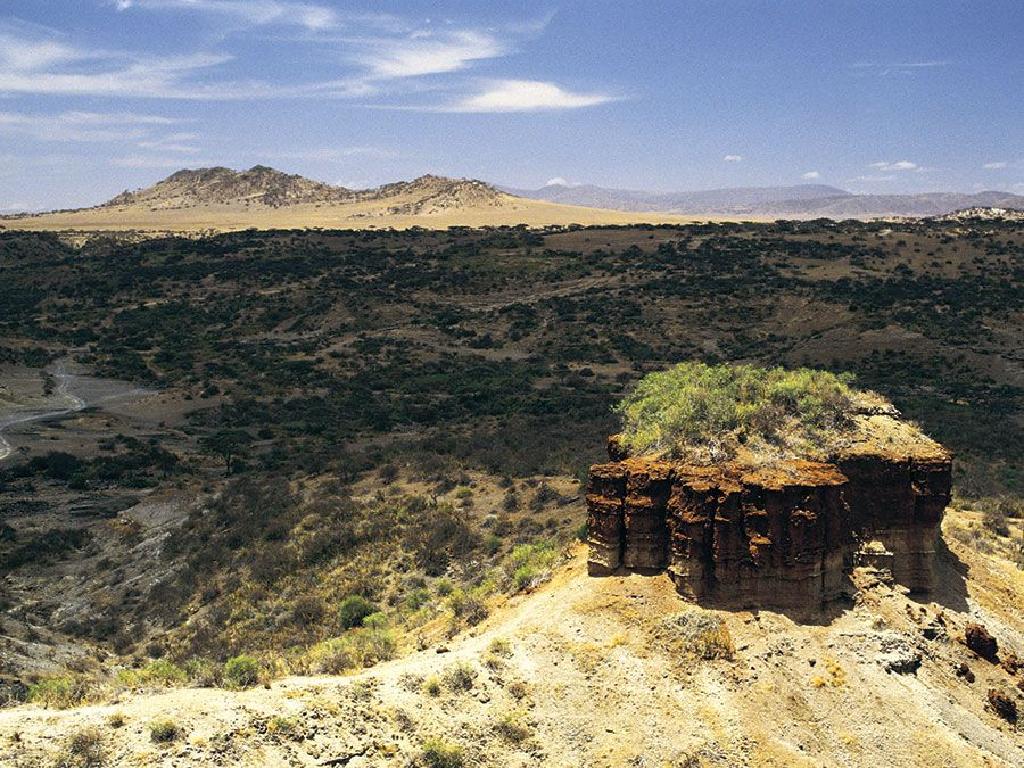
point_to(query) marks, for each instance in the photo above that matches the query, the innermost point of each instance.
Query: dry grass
(359, 215)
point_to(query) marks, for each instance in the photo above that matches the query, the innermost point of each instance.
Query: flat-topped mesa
(784, 534)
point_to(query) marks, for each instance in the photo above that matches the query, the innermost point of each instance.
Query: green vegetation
(353, 610)
(241, 671)
(438, 753)
(61, 691)
(160, 672)
(405, 417)
(531, 564)
(164, 730)
(694, 409)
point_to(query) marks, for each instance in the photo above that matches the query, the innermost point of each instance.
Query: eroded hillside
(614, 671)
(287, 420)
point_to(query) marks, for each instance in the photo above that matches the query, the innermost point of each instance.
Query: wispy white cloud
(379, 57)
(24, 55)
(82, 126)
(55, 68)
(332, 154)
(903, 68)
(172, 142)
(810, 176)
(526, 96)
(899, 166)
(147, 161)
(995, 166)
(428, 53)
(874, 178)
(253, 12)
(733, 158)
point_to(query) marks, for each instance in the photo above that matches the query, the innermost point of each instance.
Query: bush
(163, 731)
(83, 750)
(331, 657)
(694, 408)
(471, 606)
(241, 671)
(531, 564)
(373, 643)
(60, 691)
(499, 646)
(353, 610)
(512, 727)
(204, 673)
(159, 672)
(697, 633)
(459, 677)
(432, 687)
(440, 754)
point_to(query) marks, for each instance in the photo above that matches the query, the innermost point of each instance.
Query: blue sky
(885, 97)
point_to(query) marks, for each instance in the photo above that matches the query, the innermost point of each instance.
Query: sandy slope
(357, 215)
(603, 684)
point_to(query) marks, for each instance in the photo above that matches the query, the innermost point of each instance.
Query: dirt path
(73, 393)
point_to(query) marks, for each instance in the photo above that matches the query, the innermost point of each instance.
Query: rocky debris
(964, 672)
(1012, 664)
(1003, 705)
(987, 213)
(779, 534)
(12, 692)
(981, 642)
(898, 656)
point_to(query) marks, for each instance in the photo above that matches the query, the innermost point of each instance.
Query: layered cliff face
(784, 534)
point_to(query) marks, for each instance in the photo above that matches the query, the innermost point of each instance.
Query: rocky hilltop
(784, 534)
(985, 213)
(260, 185)
(265, 186)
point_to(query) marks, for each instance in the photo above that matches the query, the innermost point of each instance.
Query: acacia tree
(229, 444)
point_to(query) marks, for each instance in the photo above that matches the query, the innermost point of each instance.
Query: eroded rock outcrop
(781, 534)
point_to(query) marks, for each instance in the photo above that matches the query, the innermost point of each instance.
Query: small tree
(228, 444)
(353, 610)
(241, 671)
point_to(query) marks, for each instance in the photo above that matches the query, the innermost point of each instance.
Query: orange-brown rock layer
(781, 535)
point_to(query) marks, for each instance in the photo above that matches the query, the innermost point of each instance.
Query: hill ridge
(264, 185)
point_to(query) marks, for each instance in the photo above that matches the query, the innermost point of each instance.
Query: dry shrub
(698, 634)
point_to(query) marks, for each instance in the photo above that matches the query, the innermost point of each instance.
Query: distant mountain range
(800, 201)
(219, 199)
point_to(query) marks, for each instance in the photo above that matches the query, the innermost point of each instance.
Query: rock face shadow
(950, 586)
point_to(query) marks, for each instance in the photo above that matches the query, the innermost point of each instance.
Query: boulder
(981, 642)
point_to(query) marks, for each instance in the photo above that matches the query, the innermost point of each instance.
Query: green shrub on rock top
(697, 410)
